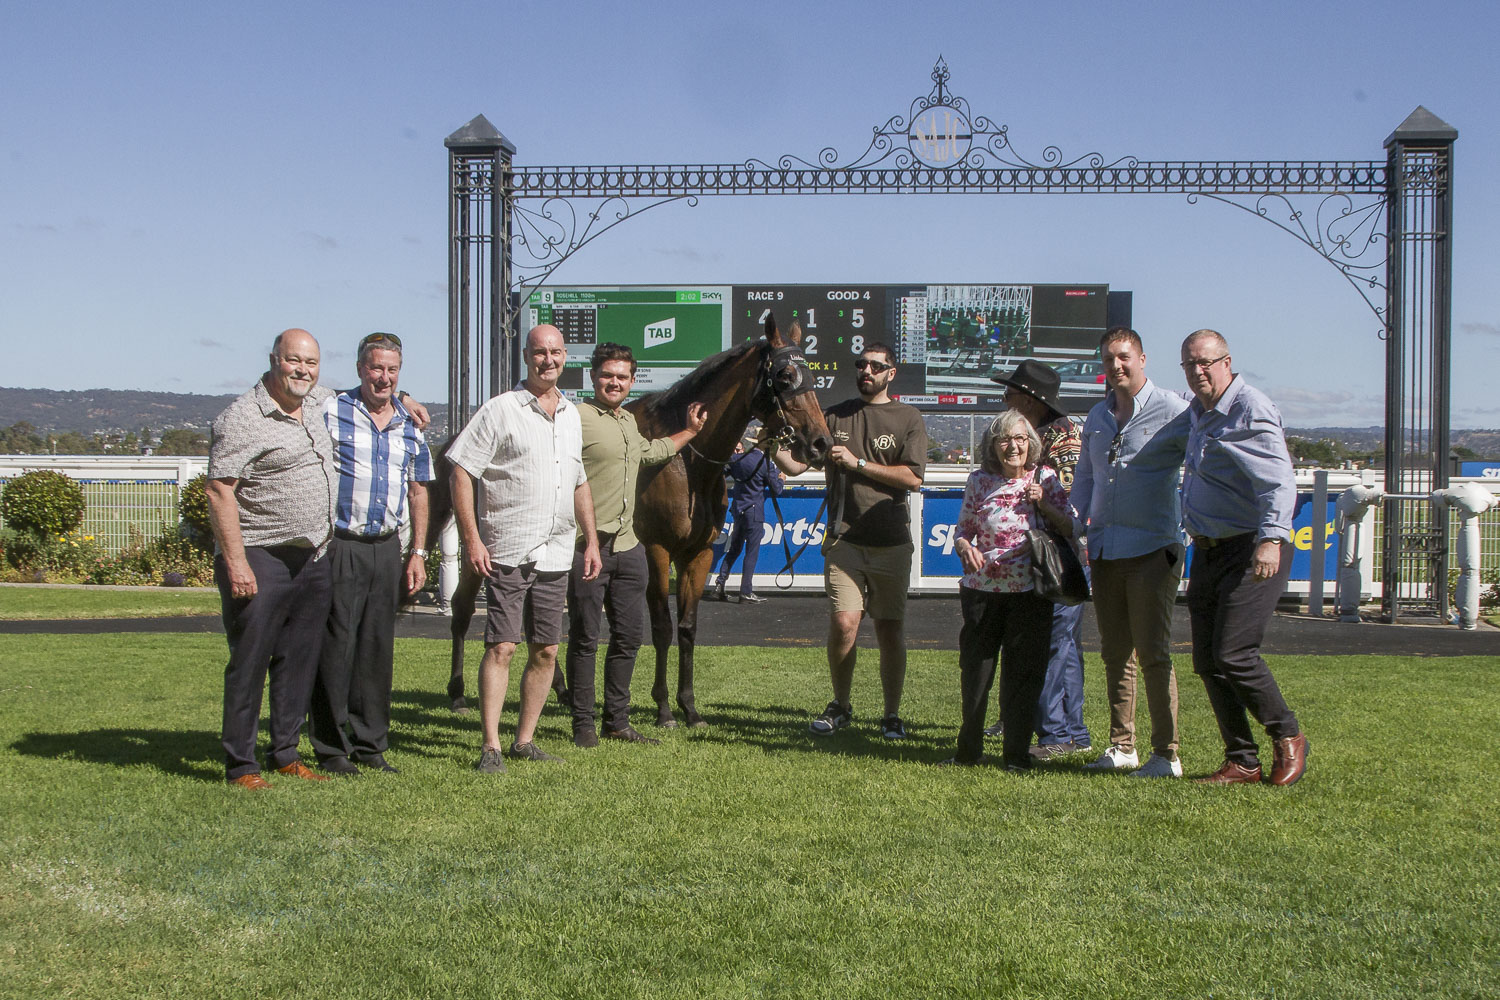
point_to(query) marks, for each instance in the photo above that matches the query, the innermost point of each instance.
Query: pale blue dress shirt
(1237, 477)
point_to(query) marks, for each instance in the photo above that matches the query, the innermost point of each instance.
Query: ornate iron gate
(1384, 225)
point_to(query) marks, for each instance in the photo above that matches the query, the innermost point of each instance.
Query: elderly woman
(1002, 618)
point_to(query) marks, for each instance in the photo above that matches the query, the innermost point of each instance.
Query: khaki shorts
(871, 578)
(525, 605)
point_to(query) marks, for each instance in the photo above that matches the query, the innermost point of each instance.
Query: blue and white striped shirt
(374, 464)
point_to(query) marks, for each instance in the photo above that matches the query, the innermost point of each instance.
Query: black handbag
(1056, 571)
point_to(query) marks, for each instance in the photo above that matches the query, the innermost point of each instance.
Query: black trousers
(351, 700)
(620, 591)
(744, 535)
(278, 631)
(1229, 610)
(1016, 630)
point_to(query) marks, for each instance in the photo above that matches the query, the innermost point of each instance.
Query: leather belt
(1204, 542)
(350, 536)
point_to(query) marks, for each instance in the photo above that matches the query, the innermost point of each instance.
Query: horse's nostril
(821, 445)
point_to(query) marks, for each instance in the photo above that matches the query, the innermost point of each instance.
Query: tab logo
(664, 332)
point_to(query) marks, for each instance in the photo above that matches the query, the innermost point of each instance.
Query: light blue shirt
(1130, 500)
(1237, 477)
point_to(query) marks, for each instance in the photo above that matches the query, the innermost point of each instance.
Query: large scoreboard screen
(950, 341)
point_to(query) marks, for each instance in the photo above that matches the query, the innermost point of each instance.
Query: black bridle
(770, 397)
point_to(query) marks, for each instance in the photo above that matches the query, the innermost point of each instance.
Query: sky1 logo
(657, 334)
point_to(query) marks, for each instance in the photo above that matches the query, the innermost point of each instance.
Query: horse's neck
(725, 427)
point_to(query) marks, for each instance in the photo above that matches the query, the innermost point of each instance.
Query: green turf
(748, 859)
(53, 602)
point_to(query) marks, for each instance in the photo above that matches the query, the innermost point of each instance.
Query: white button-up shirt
(527, 465)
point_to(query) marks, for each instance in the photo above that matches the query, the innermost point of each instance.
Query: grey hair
(1206, 334)
(1004, 426)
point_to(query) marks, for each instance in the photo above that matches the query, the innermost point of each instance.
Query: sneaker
(529, 751)
(1047, 751)
(1114, 759)
(834, 718)
(752, 599)
(892, 728)
(490, 762)
(998, 729)
(1157, 766)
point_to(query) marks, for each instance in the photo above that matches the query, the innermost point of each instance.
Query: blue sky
(182, 181)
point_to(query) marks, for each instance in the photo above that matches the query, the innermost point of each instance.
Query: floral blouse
(994, 519)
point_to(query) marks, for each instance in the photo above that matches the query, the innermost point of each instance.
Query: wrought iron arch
(1384, 225)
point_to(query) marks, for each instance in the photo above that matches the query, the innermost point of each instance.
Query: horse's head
(785, 401)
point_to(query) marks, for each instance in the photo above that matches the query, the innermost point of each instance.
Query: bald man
(271, 482)
(524, 448)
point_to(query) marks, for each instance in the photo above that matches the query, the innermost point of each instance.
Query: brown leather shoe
(1290, 760)
(1232, 774)
(252, 782)
(297, 769)
(629, 735)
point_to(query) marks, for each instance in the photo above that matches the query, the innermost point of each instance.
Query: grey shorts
(525, 605)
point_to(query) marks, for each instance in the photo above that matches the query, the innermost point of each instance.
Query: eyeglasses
(875, 367)
(1019, 440)
(381, 338)
(1202, 365)
(1114, 448)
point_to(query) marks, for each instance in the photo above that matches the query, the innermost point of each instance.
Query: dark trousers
(1229, 609)
(620, 591)
(353, 688)
(1016, 630)
(744, 534)
(278, 631)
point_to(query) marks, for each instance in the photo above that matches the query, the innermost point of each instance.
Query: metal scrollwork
(1351, 236)
(545, 236)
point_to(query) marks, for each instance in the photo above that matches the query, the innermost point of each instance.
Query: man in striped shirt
(383, 466)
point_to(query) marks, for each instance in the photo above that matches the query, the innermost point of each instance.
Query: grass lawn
(55, 602)
(747, 859)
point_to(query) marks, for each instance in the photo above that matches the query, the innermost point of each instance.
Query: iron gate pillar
(480, 315)
(1419, 279)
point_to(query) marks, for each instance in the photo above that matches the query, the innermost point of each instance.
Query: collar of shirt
(531, 399)
(1221, 407)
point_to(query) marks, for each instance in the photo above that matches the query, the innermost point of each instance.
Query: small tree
(46, 503)
(192, 507)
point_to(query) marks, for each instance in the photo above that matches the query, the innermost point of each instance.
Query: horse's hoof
(667, 723)
(698, 724)
(460, 707)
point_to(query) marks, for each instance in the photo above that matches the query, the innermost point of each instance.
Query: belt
(1204, 542)
(350, 536)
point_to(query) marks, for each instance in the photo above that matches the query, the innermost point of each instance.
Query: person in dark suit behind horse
(754, 476)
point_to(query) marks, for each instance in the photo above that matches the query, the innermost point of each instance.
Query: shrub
(65, 558)
(45, 503)
(192, 507)
(168, 560)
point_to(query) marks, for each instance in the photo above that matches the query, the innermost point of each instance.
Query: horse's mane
(667, 405)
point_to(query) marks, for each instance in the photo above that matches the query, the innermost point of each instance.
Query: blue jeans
(1059, 708)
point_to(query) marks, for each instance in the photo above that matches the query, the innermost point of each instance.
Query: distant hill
(117, 411)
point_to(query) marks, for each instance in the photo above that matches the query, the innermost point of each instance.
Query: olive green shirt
(613, 453)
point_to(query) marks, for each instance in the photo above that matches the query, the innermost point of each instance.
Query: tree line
(23, 438)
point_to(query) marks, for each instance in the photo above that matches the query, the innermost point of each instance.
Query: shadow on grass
(190, 753)
(447, 730)
(783, 729)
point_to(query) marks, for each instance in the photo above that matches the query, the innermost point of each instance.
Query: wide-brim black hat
(1037, 380)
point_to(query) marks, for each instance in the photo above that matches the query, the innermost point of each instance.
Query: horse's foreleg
(690, 581)
(464, 596)
(658, 603)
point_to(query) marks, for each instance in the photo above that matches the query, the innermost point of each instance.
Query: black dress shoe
(629, 735)
(586, 739)
(341, 766)
(376, 761)
(718, 591)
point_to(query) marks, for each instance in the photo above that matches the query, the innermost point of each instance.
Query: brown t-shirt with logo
(884, 434)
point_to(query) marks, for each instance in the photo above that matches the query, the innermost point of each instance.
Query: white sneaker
(1158, 766)
(1115, 759)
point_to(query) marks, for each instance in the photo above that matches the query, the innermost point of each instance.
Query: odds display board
(949, 340)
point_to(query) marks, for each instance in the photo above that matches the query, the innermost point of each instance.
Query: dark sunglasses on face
(876, 367)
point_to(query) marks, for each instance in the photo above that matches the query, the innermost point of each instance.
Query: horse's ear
(795, 333)
(773, 336)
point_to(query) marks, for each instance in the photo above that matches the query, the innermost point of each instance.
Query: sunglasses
(1114, 448)
(875, 367)
(381, 338)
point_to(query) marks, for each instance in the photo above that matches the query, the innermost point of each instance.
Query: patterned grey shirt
(287, 478)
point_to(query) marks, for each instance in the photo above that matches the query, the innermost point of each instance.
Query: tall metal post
(1419, 278)
(479, 162)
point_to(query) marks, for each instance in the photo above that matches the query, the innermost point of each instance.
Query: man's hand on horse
(697, 416)
(593, 565)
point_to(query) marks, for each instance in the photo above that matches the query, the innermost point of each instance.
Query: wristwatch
(420, 553)
(861, 464)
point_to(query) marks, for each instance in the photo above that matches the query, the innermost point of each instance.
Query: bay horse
(680, 505)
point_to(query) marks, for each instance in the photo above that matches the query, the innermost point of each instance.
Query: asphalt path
(932, 622)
